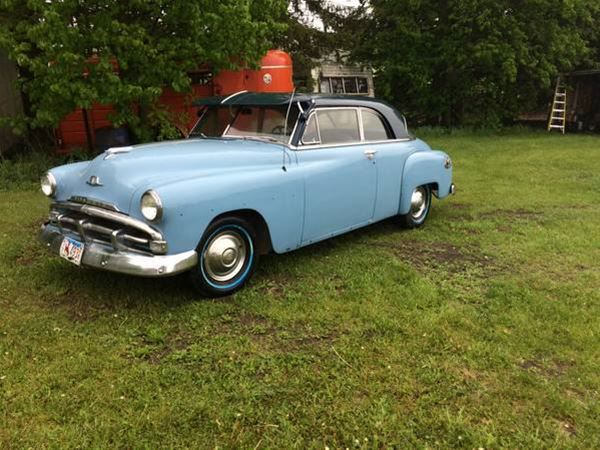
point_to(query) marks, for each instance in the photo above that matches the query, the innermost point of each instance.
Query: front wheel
(420, 204)
(226, 257)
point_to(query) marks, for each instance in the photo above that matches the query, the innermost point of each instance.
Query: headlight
(151, 206)
(48, 183)
(448, 162)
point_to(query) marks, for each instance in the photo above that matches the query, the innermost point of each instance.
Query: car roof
(267, 98)
(309, 101)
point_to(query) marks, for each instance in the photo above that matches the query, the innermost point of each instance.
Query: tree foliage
(316, 29)
(472, 61)
(154, 42)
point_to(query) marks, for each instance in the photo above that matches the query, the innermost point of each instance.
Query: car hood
(120, 175)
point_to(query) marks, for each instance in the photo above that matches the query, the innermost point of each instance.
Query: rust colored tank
(274, 75)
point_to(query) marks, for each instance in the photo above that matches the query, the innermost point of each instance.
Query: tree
(315, 29)
(68, 51)
(472, 61)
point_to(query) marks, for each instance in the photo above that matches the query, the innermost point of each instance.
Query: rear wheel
(420, 204)
(226, 257)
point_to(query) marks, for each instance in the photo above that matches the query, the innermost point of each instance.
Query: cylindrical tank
(274, 75)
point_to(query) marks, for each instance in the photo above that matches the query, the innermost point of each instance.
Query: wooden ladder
(558, 114)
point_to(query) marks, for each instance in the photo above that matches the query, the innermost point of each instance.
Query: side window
(311, 132)
(338, 126)
(373, 126)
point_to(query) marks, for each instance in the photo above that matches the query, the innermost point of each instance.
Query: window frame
(388, 129)
(319, 142)
(358, 109)
(344, 78)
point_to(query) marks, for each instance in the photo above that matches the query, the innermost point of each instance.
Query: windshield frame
(266, 137)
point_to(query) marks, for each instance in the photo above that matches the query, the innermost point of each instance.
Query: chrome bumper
(452, 189)
(102, 256)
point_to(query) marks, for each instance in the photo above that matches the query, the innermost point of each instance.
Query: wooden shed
(575, 105)
(334, 75)
(583, 100)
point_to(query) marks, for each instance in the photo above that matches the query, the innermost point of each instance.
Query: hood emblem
(94, 181)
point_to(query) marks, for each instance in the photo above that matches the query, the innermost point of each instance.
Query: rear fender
(425, 168)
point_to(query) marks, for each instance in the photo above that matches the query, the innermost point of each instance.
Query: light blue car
(260, 173)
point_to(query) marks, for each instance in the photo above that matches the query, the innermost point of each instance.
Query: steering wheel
(279, 129)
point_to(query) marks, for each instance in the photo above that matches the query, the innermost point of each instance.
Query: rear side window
(373, 126)
(338, 126)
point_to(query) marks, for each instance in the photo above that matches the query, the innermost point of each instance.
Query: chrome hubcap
(418, 203)
(225, 256)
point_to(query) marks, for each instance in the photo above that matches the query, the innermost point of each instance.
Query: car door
(391, 158)
(340, 174)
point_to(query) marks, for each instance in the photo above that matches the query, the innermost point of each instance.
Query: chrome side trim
(102, 256)
(319, 146)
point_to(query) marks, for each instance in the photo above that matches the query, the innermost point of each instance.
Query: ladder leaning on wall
(558, 113)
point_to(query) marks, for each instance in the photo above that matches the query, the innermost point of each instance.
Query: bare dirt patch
(550, 370)
(567, 427)
(33, 250)
(513, 214)
(274, 284)
(173, 343)
(266, 333)
(458, 205)
(504, 229)
(454, 258)
(78, 306)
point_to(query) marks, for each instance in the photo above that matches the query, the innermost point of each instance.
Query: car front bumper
(99, 255)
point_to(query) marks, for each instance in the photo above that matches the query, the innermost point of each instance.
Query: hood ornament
(94, 181)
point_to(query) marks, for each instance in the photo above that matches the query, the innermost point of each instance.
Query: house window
(344, 85)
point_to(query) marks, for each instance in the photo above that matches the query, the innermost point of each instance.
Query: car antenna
(287, 115)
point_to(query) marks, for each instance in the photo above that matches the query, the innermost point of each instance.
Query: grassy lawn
(480, 330)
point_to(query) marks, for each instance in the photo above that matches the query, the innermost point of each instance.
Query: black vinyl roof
(310, 101)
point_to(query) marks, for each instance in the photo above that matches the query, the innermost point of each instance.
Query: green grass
(480, 330)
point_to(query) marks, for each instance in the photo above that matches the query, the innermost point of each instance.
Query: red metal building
(79, 129)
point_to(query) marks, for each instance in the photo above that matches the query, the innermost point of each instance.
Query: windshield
(260, 122)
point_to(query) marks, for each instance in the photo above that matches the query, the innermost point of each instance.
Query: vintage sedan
(259, 173)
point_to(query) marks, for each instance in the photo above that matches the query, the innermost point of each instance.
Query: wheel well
(263, 236)
(434, 188)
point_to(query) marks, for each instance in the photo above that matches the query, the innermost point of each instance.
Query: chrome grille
(95, 224)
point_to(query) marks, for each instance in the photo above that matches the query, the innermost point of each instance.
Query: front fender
(427, 167)
(66, 177)
(190, 205)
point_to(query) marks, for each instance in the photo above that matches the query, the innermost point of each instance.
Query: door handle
(370, 154)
